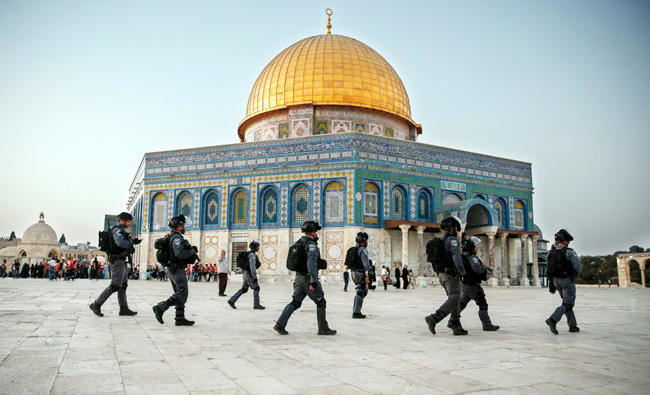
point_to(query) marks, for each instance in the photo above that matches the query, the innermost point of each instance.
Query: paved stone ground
(236, 351)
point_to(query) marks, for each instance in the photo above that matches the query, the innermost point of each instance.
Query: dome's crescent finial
(329, 13)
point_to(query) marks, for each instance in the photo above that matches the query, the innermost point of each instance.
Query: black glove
(551, 286)
(196, 250)
(137, 241)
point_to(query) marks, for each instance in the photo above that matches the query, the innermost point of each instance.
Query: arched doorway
(635, 271)
(478, 216)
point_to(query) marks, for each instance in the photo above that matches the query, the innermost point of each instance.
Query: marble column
(405, 243)
(514, 259)
(502, 269)
(492, 280)
(421, 261)
(536, 282)
(525, 259)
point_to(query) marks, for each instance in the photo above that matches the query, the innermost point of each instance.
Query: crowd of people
(55, 269)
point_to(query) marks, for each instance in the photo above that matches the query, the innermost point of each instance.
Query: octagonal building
(329, 136)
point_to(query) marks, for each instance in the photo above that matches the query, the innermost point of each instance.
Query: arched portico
(624, 263)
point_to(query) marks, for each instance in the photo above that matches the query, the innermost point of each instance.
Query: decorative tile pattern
(269, 252)
(300, 127)
(321, 127)
(360, 127)
(388, 132)
(283, 130)
(285, 204)
(333, 250)
(316, 201)
(341, 126)
(375, 129)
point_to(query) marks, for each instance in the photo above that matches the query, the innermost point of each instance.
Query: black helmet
(563, 235)
(177, 221)
(310, 226)
(450, 222)
(470, 244)
(254, 245)
(361, 237)
(124, 216)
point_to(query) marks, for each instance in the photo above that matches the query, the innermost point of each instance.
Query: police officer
(249, 276)
(563, 267)
(450, 278)
(121, 248)
(475, 272)
(181, 254)
(306, 283)
(361, 267)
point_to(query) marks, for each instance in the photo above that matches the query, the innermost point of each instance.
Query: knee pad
(296, 304)
(568, 307)
(362, 292)
(321, 303)
(114, 288)
(125, 286)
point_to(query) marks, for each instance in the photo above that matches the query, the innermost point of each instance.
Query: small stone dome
(40, 232)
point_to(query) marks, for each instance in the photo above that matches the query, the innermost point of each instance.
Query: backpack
(353, 260)
(558, 264)
(163, 255)
(106, 241)
(437, 255)
(297, 257)
(471, 277)
(242, 260)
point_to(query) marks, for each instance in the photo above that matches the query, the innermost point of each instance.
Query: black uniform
(119, 271)
(301, 289)
(250, 280)
(450, 280)
(471, 289)
(359, 278)
(181, 255)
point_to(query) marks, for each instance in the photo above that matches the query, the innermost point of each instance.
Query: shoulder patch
(454, 243)
(177, 241)
(312, 247)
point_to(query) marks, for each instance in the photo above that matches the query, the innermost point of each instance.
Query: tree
(595, 268)
(62, 239)
(12, 235)
(634, 249)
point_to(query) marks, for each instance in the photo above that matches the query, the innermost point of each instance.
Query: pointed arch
(239, 207)
(268, 210)
(424, 205)
(158, 218)
(210, 209)
(398, 203)
(184, 206)
(334, 203)
(301, 204)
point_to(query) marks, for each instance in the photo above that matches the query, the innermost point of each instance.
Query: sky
(88, 87)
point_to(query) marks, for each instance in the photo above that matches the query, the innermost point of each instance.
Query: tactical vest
(559, 264)
(471, 277)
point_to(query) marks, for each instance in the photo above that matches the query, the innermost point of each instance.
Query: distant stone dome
(40, 232)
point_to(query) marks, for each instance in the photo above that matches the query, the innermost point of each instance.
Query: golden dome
(328, 69)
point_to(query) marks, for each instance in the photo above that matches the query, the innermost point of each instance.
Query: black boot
(358, 315)
(96, 309)
(326, 332)
(158, 312)
(491, 328)
(280, 330)
(574, 329)
(260, 307)
(551, 325)
(127, 311)
(458, 329)
(432, 320)
(232, 304)
(184, 322)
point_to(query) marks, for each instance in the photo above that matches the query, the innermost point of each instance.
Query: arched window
(450, 198)
(239, 207)
(159, 212)
(184, 207)
(211, 208)
(334, 203)
(301, 204)
(371, 203)
(478, 216)
(269, 206)
(520, 212)
(500, 208)
(424, 205)
(398, 203)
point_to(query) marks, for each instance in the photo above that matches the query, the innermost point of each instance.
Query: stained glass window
(211, 209)
(334, 203)
(184, 207)
(159, 212)
(269, 206)
(301, 204)
(500, 209)
(398, 203)
(239, 204)
(423, 205)
(519, 214)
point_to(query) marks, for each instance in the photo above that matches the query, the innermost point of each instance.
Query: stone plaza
(53, 344)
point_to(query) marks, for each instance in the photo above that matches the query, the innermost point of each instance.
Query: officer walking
(360, 265)
(306, 282)
(475, 272)
(121, 248)
(563, 267)
(181, 254)
(450, 276)
(249, 276)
